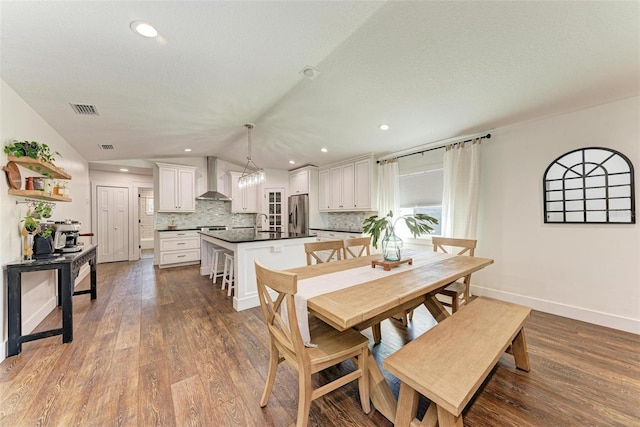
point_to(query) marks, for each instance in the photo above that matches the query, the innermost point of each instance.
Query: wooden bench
(448, 363)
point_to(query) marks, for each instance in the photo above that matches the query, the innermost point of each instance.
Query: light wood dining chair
(333, 347)
(457, 292)
(357, 247)
(321, 252)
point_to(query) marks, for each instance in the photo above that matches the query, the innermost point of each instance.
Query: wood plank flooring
(165, 348)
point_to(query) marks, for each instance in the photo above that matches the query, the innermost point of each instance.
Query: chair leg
(274, 357)
(232, 281)
(410, 314)
(377, 335)
(304, 398)
(454, 303)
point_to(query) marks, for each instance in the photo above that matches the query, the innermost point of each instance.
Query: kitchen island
(278, 250)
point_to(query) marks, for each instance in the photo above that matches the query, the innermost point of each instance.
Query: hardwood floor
(164, 347)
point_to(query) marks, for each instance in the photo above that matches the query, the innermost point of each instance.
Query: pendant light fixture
(250, 177)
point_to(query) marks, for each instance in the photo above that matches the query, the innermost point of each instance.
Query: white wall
(19, 122)
(589, 272)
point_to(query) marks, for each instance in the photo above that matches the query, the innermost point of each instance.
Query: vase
(392, 247)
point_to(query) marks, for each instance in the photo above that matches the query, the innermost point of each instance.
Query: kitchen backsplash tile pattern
(208, 212)
(351, 221)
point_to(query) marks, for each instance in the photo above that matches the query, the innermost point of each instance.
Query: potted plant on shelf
(34, 150)
(376, 226)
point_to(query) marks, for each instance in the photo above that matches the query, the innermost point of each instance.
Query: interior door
(112, 223)
(276, 209)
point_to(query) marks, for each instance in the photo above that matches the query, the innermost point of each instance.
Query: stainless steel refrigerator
(299, 214)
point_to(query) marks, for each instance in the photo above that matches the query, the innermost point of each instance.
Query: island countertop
(246, 235)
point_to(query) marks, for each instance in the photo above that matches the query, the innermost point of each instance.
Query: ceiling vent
(106, 146)
(86, 110)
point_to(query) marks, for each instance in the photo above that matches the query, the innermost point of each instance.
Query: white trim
(591, 316)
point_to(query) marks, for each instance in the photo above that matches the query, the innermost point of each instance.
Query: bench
(448, 363)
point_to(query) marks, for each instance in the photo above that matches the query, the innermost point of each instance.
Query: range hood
(212, 183)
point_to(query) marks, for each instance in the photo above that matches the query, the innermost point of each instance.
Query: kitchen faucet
(255, 224)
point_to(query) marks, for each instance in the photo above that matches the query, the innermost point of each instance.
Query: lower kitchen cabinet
(179, 248)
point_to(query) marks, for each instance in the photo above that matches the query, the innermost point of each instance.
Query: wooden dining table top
(355, 305)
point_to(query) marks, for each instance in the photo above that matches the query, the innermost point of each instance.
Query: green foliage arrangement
(32, 149)
(418, 224)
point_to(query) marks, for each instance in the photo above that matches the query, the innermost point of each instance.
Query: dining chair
(357, 247)
(329, 250)
(332, 347)
(458, 292)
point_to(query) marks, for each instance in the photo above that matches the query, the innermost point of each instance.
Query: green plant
(417, 223)
(31, 224)
(32, 149)
(43, 210)
(46, 232)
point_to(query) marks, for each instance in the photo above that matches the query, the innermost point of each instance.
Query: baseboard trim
(578, 313)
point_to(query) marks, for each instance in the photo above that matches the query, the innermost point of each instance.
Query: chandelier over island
(252, 174)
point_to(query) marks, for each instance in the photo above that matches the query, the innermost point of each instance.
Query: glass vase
(392, 247)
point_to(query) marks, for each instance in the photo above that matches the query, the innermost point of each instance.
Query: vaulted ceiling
(430, 70)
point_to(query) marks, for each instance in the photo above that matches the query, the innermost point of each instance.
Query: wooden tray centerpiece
(387, 265)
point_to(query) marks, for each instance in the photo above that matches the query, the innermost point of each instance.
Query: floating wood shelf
(40, 167)
(38, 195)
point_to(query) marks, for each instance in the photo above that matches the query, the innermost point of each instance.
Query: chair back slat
(463, 246)
(321, 252)
(284, 331)
(357, 247)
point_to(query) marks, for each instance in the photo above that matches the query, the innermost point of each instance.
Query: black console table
(68, 266)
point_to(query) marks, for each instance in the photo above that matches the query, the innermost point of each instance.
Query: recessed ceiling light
(310, 72)
(124, 170)
(324, 150)
(187, 149)
(143, 28)
(384, 127)
(291, 162)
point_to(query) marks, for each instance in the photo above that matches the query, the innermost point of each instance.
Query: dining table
(358, 293)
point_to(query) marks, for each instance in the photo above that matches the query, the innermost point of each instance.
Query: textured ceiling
(431, 70)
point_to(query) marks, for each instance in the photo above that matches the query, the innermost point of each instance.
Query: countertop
(246, 235)
(338, 230)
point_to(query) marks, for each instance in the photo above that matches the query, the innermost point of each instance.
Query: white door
(113, 223)
(275, 207)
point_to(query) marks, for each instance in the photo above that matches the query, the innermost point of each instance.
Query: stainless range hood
(212, 183)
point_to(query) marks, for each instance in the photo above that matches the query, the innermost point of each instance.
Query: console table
(68, 266)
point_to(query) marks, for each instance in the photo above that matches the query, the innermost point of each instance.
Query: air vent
(87, 110)
(106, 147)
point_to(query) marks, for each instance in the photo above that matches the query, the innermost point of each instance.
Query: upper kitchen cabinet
(300, 180)
(243, 200)
(176, 188)
(348, 186)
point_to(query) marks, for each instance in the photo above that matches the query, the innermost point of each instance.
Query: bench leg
(407, 406)
(520, 352)
(430, 417)
(447, 419)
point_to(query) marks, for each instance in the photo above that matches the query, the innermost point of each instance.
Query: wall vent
(86, 110)
(106, 146)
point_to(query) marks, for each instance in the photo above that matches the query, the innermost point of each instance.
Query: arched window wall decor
(590, 185)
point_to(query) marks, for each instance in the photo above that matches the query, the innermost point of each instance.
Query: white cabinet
(324, 235)
(176, 188)
(348, 186)
(179, 248)
(243, 200)
(299, 181)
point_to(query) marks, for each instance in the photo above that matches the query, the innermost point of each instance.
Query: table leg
(14, 303)
(94, 280)
(379, 391)
(447, 419)
(59, 284)
(407, 406)
(520, 353)
(436, 308)
(66, 283)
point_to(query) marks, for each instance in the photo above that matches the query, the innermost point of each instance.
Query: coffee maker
(66, 237)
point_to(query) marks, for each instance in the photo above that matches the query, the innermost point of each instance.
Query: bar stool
(213, 261)
(228, 279)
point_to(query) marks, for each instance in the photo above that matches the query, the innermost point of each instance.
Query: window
(420, 192)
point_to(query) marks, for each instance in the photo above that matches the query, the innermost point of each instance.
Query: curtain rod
(487, 136)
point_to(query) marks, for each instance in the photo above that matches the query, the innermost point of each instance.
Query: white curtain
(388, 187)
(461, 167)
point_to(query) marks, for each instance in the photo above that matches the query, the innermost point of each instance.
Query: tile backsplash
(208, 212)
(351, 221)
